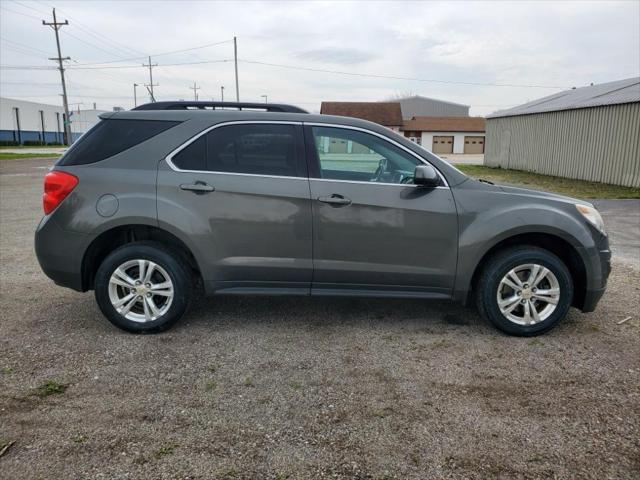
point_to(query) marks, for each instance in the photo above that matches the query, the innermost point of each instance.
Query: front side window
(345, 154)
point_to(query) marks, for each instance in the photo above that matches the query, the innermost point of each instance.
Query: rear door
(240, 192)
(373, 229)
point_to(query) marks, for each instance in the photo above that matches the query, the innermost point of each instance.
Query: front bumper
(594, 293)
(60, 253)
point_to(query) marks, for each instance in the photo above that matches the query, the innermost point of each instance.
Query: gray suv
(171, 198)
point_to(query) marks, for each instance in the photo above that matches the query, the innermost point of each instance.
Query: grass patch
(50, 388)
(165, 450)
(248, 382)
(296, 386)
(536, 343)
(14, 156)
(210, 386)
(7, 370)
(536, 181)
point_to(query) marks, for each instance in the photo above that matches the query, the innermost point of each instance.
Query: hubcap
(528, 294)
(141, 290)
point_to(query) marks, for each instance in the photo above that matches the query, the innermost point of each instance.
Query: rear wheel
(143, 287)
(524, 291)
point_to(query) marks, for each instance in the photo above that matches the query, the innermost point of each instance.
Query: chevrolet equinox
(171, 198)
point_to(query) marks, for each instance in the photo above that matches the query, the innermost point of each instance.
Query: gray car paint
(259, 234)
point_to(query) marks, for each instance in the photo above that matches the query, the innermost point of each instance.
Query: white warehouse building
(22, 121)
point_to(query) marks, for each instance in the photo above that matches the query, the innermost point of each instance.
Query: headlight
(592, 215)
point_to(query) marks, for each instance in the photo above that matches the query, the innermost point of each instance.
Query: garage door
(473, 144)
(442, 145)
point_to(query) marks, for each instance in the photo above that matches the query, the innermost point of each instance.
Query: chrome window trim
(184, 145)
(178, 149)
(390, 140)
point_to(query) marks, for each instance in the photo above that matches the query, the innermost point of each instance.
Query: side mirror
(426, 176)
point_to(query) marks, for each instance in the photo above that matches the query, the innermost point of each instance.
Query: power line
(157, 54)
(24, 46)
(163, 65)
(393, 77)
(127, 50)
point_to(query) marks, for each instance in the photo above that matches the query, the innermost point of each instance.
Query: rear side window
(193, 156)
(259, 149)
(110, 137)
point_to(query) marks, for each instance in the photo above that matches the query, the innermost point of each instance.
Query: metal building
(589, 133)
(22, 121)
(418, 106)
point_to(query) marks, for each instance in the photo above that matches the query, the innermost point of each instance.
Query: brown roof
(384, 113)
(445, 124)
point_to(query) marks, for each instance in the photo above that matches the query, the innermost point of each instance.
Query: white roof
(611, 93)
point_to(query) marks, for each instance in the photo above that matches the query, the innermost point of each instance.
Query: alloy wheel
(528, 294)
(141, 290)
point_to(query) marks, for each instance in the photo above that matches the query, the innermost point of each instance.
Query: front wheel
(143, 287)
(524, 291)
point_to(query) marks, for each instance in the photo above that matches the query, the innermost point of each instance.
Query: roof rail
(183, 105)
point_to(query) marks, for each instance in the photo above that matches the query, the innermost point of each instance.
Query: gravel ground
(304, 388)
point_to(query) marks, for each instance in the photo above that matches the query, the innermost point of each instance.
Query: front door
(373, 230)
(240, 192)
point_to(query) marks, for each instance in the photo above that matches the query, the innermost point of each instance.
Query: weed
(210, 385)
(248, 382)
(296, 386)
(7, 370)
(165, 450)
(50, 387)
(536, 342)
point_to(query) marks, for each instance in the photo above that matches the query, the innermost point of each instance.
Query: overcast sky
(431, 48)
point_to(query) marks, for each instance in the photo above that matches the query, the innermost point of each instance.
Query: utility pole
(135, 96)
(151, 84)
(235, 61)
(195, 91)
(65, 103)
(265, 98)
(222, 94)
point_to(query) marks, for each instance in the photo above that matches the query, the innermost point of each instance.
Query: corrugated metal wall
(600, 144)
(426, 107)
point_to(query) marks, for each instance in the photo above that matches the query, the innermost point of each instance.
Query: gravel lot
(305, 388)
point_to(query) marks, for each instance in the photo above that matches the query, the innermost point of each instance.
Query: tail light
(57, 185)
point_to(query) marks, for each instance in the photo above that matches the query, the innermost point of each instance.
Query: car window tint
(110, 137)
(193, 156)
(260, 149)
(346, 154)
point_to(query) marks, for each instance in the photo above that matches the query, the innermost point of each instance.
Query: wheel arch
(117, 236)
(556, 244)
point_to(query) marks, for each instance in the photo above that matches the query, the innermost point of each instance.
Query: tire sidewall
(146, 251)
(499, 268)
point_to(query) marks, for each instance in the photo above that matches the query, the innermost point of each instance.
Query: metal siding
(427, 107)
(600, 144)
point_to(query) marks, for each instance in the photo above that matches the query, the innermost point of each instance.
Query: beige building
(589, 133)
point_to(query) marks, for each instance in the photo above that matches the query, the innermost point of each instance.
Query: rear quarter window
(110, 137)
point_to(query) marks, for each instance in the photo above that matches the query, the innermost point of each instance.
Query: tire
(168, 289)
(497, 282)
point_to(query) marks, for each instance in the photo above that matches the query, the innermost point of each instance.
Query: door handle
(335, 200)
(198, 187)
